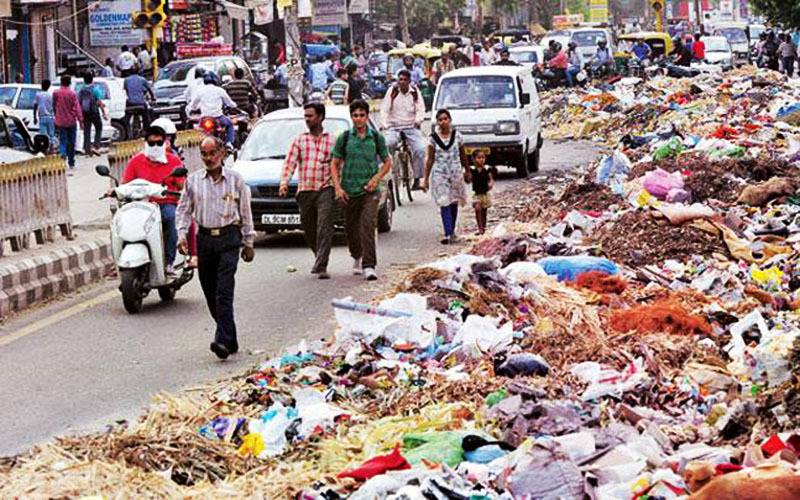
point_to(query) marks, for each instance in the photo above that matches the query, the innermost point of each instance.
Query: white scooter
(137, 242)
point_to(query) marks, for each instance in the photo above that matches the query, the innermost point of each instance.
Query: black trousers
(316, 217)
(217, 260)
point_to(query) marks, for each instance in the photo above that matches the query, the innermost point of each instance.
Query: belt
(217, 231)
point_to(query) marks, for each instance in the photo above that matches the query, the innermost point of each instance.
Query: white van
(496, 109)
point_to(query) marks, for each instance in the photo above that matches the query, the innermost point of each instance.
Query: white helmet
(166, 124)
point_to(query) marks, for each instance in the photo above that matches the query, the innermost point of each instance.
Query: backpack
(347, 138)
(87, 99)
(396, 91)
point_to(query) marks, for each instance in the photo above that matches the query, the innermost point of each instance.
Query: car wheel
(522, 165)
(534, 159)
(120, 134)
(385, 217)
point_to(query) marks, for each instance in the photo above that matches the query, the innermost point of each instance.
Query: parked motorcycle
(137, 242)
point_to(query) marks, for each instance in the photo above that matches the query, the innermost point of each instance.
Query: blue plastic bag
(568, 268)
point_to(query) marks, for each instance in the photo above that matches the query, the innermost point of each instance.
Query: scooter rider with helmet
(155, 164)
(603, 60)
(211, 100)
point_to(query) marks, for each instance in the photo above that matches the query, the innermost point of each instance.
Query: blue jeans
(66, 139)
(47, 126)
(170, 233)
(572, 71)
(230, 132)
(449, 216)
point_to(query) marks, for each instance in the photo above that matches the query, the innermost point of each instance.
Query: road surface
(82, 362)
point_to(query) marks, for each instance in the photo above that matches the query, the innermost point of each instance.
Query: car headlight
(506, 127)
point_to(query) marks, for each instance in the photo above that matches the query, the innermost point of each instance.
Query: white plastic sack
(420, 329)
(482, 331)
(523, 272)
(272, 427)
(314, 411)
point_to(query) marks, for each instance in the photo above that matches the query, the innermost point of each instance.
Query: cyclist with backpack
(403, 110)
(90, 98)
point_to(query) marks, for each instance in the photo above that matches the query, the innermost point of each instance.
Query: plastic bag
(377, 465)
(613, 171)
(568, 268)
(523, 272)
(271, 427)
(483, 332)
(678, 214)
(314, 411)
(523, 364)
(670, 149)
(435, 447)
(659, 182)
(790, 114)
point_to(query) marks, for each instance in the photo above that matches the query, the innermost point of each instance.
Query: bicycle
(401, 169)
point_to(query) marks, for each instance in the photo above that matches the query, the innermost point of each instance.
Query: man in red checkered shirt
(310, 155)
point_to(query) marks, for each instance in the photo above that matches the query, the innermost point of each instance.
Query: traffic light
(657, 5)
(152, 16)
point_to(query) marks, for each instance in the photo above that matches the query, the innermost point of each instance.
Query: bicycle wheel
(396, 180)
(407, 177)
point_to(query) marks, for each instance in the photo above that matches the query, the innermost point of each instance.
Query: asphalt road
(82, 362)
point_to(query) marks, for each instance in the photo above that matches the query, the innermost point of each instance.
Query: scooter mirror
(102, 170)
(179, 172)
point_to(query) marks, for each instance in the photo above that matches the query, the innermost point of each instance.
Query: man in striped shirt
(310, 155)
(242, 92)
(219, 200)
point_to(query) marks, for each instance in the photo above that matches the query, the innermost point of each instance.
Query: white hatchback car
(20, 97)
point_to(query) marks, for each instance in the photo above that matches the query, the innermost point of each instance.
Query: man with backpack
(90, 98)
(356, 183)
(403, 110)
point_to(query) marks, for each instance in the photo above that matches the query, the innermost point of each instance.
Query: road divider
(33, 200)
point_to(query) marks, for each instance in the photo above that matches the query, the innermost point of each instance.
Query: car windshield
(175, 72)
(7, 95)
(734, 35)
(485, 91)
(716, 45)
(271, 139)
(588, 38)
(528, 56)
(396, 63)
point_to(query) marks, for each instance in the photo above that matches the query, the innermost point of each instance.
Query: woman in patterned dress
(446, 170)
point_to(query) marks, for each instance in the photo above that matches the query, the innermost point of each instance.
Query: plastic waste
(434, 447)
(485, 454)
(314, 412)
(577, 445)
(495, 397)
(604, 381)
(523, 272)
(613, 171)
(377, 465)
(521, 364)
(568, 268)
(271, 427)
(659, 182)
(679, 214)
(402, 319)
(670, 149)
(483, 332)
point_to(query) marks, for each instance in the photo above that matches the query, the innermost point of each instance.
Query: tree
(781, 12)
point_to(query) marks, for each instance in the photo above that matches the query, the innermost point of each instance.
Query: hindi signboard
(330, 12)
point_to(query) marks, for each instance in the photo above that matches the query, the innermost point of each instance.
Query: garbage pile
(625, 331)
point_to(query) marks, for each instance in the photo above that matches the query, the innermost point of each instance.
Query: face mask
(156, 153)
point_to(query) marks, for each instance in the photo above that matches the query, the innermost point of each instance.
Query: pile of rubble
(626, 331)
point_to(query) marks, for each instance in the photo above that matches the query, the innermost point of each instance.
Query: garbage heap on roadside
(629, 330)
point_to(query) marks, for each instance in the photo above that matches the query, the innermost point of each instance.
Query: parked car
(20, 97)
(496, 109)
(16, 143)
(718, 51)
(173, 79)
(528, 55)
(261, 161)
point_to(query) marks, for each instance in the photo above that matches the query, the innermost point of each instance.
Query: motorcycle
(213, 126)
(137, 242)
(547, 79)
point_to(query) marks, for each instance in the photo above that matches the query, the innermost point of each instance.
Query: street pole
(698, 15)
(293, 56)
(154, 52)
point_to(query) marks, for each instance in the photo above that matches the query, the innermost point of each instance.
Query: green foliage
(782, 12)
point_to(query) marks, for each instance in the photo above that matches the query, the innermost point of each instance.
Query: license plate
(281, 219)
(470, 151)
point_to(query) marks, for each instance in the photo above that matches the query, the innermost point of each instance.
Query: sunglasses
(159, 142)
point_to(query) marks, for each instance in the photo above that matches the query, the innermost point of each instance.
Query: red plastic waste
(377, 465)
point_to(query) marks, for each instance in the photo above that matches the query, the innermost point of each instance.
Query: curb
(27, 282)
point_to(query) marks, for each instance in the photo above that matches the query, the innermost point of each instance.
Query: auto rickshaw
(660, 43)
(424, 58)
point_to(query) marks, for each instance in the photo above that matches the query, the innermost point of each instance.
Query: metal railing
(80, 49)
(33, 200)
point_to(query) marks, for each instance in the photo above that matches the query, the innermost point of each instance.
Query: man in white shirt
(145, 61)
(194, 85)
(403, 110)
(211, 100)
(126, 61)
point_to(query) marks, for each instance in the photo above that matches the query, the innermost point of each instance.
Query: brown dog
(765, 482)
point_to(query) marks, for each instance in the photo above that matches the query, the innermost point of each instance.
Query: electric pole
(293, 56)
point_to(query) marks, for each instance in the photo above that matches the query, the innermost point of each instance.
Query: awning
(235, 11)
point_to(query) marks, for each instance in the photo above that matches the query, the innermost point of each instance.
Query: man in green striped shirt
(356, 179)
